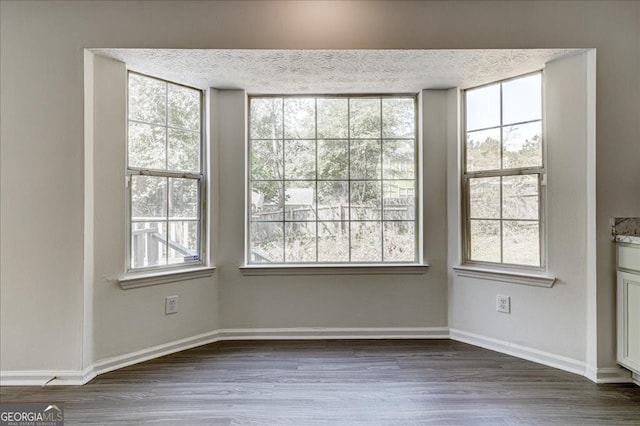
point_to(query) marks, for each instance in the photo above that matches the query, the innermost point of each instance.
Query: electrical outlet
(171, 305)
(503, 304)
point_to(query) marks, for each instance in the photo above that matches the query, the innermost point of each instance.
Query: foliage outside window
(332, 180)
(504, 172)
(164, 173)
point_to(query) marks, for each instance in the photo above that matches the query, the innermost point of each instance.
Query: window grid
(502, 172)
(382, 213)
(192, 257)
(349, 177)
(315, 101)
(381, 220)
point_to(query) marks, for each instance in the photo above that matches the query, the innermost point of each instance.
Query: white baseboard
(39, 378)
(70, 377)
(125, 360)
(524, 352)
(609, 375)
(316, 333)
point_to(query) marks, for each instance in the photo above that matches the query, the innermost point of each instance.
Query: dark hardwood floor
(340, 382)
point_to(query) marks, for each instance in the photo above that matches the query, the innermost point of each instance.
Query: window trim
(162, 277)
(158, 274)
(349, 267)
(495, 270)
(334, 269)
(505, 275)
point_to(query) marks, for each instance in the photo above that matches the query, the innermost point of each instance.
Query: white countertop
(629, 239)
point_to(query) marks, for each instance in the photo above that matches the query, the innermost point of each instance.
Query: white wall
(125, 321)
(42, 159)
(548, 319)
(132, 320)
(324, 300)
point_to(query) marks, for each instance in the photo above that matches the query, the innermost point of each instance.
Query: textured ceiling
(334, 71)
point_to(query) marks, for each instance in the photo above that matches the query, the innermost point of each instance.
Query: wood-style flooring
(340, 382)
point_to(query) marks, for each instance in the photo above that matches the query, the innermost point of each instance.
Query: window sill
(504, 276)
(334, 269)
(155, 278)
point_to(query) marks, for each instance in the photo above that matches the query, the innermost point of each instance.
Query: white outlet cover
(503, 304)
(171, 305)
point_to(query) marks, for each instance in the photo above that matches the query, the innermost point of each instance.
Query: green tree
(342, 148)
(164, 134)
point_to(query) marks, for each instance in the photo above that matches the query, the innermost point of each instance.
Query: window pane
(299, 118)
(398, 118)
(183, 199)
(299, 159)
(399, 200)
(522, 99)
(300, 200)
(147, 99)
(365, 159)
(300, 242)
(365, 118)
(184, 151)
(483, 150)
(485, 240)
(325, 180)
(147, 146)
(267, 201)
(267, 242)
(333, 159)
(266, 118)
(520, 197)
(484, 198)
(333, 118)
(366, 200)
(333, 200)
(483, 107)
(366, 241)
(398, 159)
(399, 241)
(266, 159)
(148, 244)
(183, 241)
(164, 134)
(333, 241)
(184, 108)
(522, 145)
(504, 132)
(148, 197)
(521, 243)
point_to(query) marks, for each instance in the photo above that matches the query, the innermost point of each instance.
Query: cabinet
(629, 306)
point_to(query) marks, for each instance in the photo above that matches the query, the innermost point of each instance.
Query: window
(332, 180)
(165, 182)
(504, 173)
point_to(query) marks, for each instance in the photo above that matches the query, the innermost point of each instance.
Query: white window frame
(465, 195)
(158, 274)
(416, 266)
